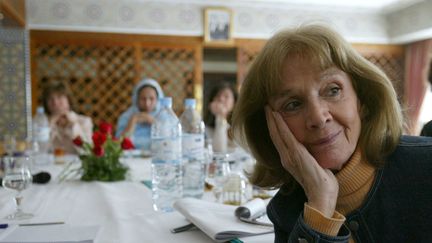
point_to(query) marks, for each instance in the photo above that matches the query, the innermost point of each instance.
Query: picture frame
(218, 26)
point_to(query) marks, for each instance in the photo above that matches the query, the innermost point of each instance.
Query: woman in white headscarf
(136, 121)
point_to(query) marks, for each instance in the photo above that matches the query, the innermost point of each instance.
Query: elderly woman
(325, 126)
(65, 124)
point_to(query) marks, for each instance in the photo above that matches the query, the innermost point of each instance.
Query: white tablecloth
(122, 209)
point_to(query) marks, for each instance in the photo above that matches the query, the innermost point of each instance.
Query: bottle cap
(40, 109)
(190, 103)
(166, 102)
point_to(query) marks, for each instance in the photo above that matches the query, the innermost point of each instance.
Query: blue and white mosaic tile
(14, 106)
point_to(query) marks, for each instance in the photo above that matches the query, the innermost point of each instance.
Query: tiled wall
(14, 84)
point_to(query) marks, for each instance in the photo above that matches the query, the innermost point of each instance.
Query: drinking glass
(234, 189)
(219, 169)
(208, 157)
(9, 144)
(259, 192)
(17, 177)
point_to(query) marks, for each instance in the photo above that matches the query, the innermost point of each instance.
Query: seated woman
(325, 126)
(218, 115)
(427, 130)
(136, 121)
(65, 124)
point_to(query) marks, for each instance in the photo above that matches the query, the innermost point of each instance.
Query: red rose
(105, 128)
(78, 141)
(98, 151)
(98, 138)
(127, 144)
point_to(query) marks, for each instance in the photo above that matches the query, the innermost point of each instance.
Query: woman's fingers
(62, 121)
(285, 134)
(273, 129)
(278, 141)
(147, 118)
(271, 124)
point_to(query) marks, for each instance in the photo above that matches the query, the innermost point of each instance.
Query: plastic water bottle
(220, 135)
(166, 161)
(194, 164)
(41, 130)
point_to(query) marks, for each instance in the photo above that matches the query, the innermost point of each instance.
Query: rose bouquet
(101, 160)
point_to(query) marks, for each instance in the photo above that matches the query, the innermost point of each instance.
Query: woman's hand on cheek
(320, 185)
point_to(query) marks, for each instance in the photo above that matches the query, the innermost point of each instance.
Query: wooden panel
(102, 69)
(13, 10)
(47, 36)
(374, 49)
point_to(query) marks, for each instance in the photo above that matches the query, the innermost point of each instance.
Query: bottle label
(193, 146)
(43, 134)
(166, 150)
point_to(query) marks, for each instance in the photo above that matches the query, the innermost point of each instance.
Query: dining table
(122, 210)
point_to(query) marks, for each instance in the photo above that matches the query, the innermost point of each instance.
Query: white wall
(257, 20)
(411, 24)
(175, 17)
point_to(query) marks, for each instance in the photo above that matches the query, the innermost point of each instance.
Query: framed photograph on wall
(218, 26)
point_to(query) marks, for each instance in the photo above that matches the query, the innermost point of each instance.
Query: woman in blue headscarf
(136, 121)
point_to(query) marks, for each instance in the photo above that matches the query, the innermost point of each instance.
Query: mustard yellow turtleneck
(355, 180)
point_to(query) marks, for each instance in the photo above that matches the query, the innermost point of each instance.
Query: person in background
(427, 130)
(217, 116)
(136, 121)
(325, 126)
(65, 124)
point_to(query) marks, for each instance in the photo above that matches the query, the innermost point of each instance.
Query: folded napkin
(218, 221)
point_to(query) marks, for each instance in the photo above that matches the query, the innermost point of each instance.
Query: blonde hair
(380, 112)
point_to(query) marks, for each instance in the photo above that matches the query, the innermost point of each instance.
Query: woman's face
(147, 99)
(321, 109)
(58, 104)
(226, 97)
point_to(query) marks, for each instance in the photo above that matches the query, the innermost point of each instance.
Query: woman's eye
(291, 106)
(334, 91)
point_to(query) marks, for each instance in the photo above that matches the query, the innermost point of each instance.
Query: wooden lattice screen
(389, 58)
(393, 66)
(173, 68)
(246, 52)
(102, 73)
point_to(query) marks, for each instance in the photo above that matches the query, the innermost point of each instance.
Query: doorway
(219, 65)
